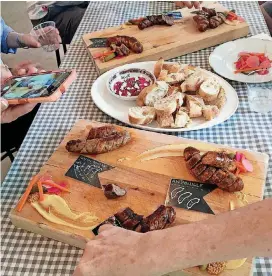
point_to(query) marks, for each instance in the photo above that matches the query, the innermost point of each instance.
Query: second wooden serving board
(164, 41)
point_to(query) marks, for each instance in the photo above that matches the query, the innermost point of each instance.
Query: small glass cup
(46, 33)
(260, 97)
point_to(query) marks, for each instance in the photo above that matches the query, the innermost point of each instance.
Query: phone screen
(42, 85)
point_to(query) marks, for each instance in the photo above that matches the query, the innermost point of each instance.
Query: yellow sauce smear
(55, 209)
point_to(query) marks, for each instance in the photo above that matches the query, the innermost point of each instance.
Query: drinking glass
(260, 97)
(46, 34)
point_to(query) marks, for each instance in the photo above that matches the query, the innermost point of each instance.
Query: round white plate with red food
(118, 108)
(246, 60)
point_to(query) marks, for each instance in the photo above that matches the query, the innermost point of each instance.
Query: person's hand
(5, 73)
(26, 68)
(188, 4)
(117, 252)
(29, 41)
(47, 36)
(12, 113)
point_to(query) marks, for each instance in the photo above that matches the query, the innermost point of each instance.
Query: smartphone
(37, 88)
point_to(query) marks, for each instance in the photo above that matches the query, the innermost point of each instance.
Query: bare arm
(246, 232)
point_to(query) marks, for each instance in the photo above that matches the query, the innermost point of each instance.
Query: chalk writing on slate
(111, 220)
(87, 169)
(189, 195)
(98, 42)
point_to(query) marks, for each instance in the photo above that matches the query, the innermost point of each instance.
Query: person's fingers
(4, 104)
(32, 70)
(188, 4)
(179, 4)
(196, 4)
(21, 72)
(14, 112)
(104, 228)
(30, 41)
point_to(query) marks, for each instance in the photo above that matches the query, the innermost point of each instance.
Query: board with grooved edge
(146, 183)
(166, 41)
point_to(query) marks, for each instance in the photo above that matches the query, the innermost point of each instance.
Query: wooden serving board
(164, 41)
(146, 183)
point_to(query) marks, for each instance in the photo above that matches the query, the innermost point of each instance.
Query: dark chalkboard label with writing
(189, 195)
(98, 42)
(87, 169)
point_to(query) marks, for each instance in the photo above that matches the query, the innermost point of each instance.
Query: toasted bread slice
(209, 89)
(149, 95)
(220, 100)
(181, 119)
(174, 78)
(141, 115)
(194, 105)
(168, 105)
(165, 120)
(163, 75)
(172, 90)
(193, 82)
(158, 67)
(210, 112)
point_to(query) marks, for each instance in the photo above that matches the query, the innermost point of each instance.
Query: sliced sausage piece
(189, 152)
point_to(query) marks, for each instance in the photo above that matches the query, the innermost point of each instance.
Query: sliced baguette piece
(158, 67)
(210, 112)
(172, 90)
(194, 105)
(163, 75)
(165, 120)
(174, 78)
(150, 94)
(193, 82)
(174, 68)
(188, 69)
(141, 115)
(181, 119)
(220, 100)
(209, 89)
(168, 105)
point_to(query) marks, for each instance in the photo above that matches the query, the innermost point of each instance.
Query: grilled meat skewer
(156, 20)
(214, 168)
(99, 145)
(130, 42)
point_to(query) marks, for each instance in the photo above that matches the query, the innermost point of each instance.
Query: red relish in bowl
(131, 86)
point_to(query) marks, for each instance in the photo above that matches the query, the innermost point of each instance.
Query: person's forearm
(14, 40)
(246, 232)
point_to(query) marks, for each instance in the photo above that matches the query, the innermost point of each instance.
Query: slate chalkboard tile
(86, 169)
(98, 42)
(189, 195)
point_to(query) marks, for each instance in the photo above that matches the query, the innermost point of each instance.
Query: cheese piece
(234, 264)
(62, 212)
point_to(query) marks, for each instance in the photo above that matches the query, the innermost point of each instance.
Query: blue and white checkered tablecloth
(25, 253)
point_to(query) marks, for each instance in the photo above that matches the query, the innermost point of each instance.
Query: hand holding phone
(37, 88)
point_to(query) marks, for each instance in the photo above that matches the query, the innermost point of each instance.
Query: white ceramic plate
(118, 109)
(223, 57)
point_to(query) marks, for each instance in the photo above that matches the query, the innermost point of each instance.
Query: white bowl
(118, 82)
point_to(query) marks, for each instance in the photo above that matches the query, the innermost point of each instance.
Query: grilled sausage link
(130, 42)
(213, 167)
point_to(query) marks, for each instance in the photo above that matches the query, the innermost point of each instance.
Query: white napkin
(262, 36)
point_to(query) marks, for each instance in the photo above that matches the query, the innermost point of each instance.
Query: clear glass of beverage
(46, 33)
(260, 97)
